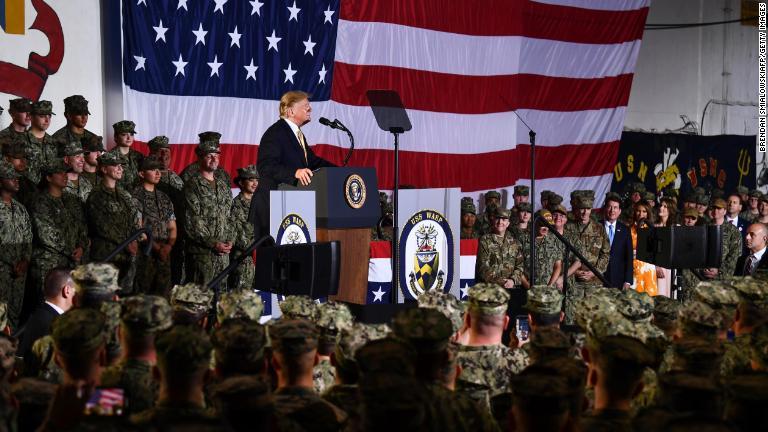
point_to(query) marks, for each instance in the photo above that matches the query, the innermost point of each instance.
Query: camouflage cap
(550, 340)
(7, 172)
(524, 207)
(428, 330)
(665, 308)
(333, 316)
(501, 212)
(239, 304)
(78, 330)
(468, 207)
(587, 307)
(611, 332)
(145, 313)
(754, 193)
(543, 299)
(94, 144)
(3, 315)
(696, 355)
(716, 294)
(718, 193)
(545, 194)
(488, 299)
(718, 203)
(445, 303)
(112, 158)
(299, 307)
(209, 136)
(72, 148)
(249, 172)
(751, 290)
(20, 105)
(691, 212)
(95, 277)
(636, 187)
(294, 336)
(635, 306)
(492, 194)
(555, 199)
(15, 150)
(76, 104)
(193, 298)
(558, 208)
(241, 339)
(158, 142)
(584, 202)
(649, 196)
(184, 349)
(701, 314)
(521, 190)
(702, 199)
(355, 336)
(42, 107)
(389, 356)
(742, 190)
(207, 147)
(55, 166)
(124, 126)
(151, 163)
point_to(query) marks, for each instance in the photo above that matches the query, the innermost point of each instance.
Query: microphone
(331, 124)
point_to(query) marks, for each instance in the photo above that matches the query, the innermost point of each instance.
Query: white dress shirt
(56, 308)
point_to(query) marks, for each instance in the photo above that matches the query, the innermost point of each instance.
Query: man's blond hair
(289, 99)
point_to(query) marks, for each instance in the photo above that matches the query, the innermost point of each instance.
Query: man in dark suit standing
(619, 272)
(733, 209)
(58, 292)
(756, 239)
(284, 153)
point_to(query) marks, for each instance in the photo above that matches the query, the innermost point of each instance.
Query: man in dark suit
(734, 206)
(619, 272)
(58, 291)
(756, 239)
(284, 154)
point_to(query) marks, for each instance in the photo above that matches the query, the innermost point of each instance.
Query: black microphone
(324, 121)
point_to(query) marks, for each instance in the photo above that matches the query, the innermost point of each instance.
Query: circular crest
(354, 191)
(426, 254)
(293, 230)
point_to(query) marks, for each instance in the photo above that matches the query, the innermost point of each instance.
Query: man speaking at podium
(284, 154)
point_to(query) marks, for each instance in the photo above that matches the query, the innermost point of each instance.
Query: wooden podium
(347, 206)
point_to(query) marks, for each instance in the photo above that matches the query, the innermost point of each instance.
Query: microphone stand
(351, 141)
(532, 140)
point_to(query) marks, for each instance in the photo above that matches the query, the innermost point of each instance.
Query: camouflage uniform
(191, 299)
(81, 187)
(193, 169)
(156, 211)
(60, 228)
(737, 356)
(483, 223)
(27, 190)
(467, 206)
(18, 105)
(592, 242)
(95, 144)
(499, 257)
(332, 317)
(16, 238)
(242, 229)
(487, 370)
(75, 104)
(113, 217)
(132, 159)
(732, 249)
(299, 307)
(206, 222)
(696, 320)
(549, 251)
(40, 152)
(447, 304)
(239, 304)
(141, 315)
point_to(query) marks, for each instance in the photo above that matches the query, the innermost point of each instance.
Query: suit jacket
(620, 261)
(38, 325)
(762, 264)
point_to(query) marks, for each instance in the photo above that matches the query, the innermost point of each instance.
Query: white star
(215, 65)
(180, 65)
(235, 36)
(141, 1)
(378, 295)
(256, 4)
(273, 40)
(182, 4)
(140, 62)
(289, 73)
(328, 13)
(220, 6)
(200, 34)
(309, 46)
(294, 12)
(463, 291)
(251, 71)
(322, 73)
(160, 31)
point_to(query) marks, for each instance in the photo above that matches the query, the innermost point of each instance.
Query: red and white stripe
(460, 67)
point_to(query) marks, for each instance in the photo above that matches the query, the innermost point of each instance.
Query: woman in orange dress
(645, 273)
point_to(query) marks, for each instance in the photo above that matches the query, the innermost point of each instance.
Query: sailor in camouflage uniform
(487, 365)
(40, 147)
(77, 185)
(60, 227)
(242, 229)
(549, 254)
(207, 205)
(520, 220)
(141, 317)
(750, 212)
(499, 256)
(332, 317)
(19, 109)
(16, 238)
(124, 132)
(468, 219)
(92, 149)
(732, 242)
(752, 311)
(157, 213)
(483, 224)
(194, 168)
(589, 238)
(15, 155)
(113, 217)
(76, 112)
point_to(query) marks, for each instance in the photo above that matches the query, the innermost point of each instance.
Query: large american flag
(461, 68)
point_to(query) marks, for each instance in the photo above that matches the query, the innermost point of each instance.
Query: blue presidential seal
(293, 230)
(426, 254)
(354, 191)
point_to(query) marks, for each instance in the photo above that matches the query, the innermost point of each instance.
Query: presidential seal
(354, 191)
(426, 254)
(293, 230)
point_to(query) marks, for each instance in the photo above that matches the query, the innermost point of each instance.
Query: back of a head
(142, 316)
(350, 340)
(33, 396)
(183, 353)
(540, 401)
(487, 308)
(428, 331)
(746, 399)
(544, 303)
(190, 303)
(239, 346)
(687, 393)
(294, 345)
(95, 283)
(55, 281)
(78, 335)
(244, 403)
(549, 343)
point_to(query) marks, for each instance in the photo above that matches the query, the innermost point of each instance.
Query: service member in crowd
(124, 139)
(19, 110)
(76, 113)
(41, 149)
(499, 256)
(77, 185)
